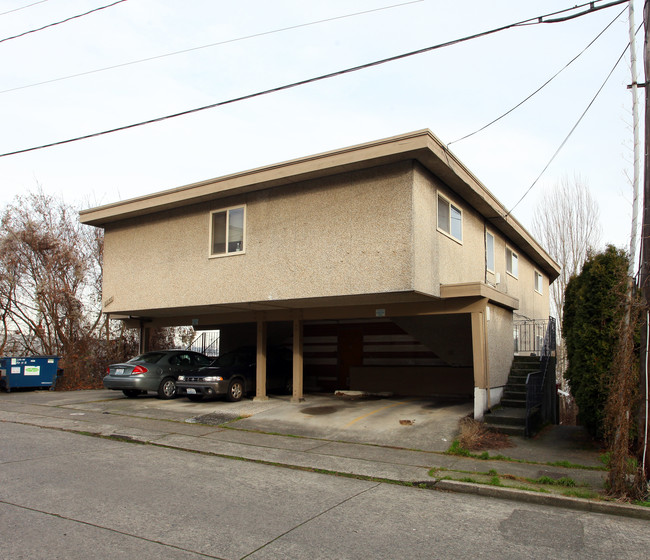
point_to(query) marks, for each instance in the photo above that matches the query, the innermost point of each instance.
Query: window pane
(236, 230)
(456, 223)
(218, 233)
(515, 265)
(443, 214)
(489, 249)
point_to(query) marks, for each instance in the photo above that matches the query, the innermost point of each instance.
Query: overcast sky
(451, 91)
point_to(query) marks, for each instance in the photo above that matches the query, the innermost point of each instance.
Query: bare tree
(50, 292)
(567, 224)
(48, 263)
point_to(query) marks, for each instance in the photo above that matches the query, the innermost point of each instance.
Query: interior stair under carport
(509, 417)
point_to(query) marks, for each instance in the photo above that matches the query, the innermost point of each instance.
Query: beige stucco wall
(532, 304)
(342, 235)
(501, 346)
(425, 247)
(459, 261)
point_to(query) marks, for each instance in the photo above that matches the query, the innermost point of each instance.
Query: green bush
(593, 307)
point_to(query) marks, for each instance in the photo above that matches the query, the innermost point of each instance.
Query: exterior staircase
(510, 416)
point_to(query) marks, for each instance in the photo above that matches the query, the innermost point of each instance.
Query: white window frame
(488, 252)
(446, 228)
(227, 210)
(512, 262)
(539, 282)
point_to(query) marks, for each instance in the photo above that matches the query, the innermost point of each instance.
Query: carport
(428, 347)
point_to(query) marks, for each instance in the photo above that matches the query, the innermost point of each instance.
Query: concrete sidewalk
(280, 433)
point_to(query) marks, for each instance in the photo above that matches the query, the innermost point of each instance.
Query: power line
(60, 22)
(156, 57)
(540, 88)
(572, 130)
(299, 83)
(22, 7)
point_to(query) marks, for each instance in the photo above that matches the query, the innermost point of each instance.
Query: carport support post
(297, 361)
(260, 369)
(145, 338)
(479, 352)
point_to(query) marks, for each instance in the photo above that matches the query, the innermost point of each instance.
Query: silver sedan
(156, 371)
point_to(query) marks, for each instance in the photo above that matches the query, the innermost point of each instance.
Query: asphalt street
(66, 495)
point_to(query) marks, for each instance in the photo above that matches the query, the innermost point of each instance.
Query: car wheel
(235, 390)
(131, 393)
(195, 398)
(167, 388)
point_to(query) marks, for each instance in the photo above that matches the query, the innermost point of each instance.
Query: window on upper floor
(227, 231)
(512, 262)
(538, 283)
(450, 219)
(489, 251)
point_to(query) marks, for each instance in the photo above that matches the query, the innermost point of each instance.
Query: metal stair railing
(530, 336)
(206, 343)
(537, 384)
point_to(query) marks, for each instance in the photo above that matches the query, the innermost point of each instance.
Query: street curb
(526, 496)
(489, 491)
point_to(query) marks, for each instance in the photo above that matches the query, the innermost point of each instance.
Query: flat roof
(422, 146)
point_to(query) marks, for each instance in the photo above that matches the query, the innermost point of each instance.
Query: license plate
(191, 391)
(119, 371)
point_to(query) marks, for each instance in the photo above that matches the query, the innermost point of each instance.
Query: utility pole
(645, 244)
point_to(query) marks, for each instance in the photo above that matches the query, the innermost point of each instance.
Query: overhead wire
(191, 49)
(22, 7)
(298, 83)
(593, 99)
(540, 88)
(62, 21)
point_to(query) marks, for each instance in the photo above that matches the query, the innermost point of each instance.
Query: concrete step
(525, 359)
(506, 415)
(516, 379)
(513, 402)
(515, 390)
(524, 370)
(509, 429)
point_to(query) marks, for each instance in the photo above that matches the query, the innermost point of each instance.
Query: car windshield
(147, 358)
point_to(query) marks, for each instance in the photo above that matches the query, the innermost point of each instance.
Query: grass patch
(569, 465)
(465, 479)
(457, 449)
(563, 481)
(581, 493)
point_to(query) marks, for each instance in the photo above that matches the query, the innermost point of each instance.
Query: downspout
(485, 354)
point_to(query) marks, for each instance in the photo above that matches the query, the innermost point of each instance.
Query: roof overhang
(478, 289)
(421, 146)
(361, 306)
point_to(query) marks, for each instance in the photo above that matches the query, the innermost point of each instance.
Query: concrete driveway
(427, 424)
(414, 423)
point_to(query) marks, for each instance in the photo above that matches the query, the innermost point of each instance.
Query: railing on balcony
(207, 343)
(540, 385)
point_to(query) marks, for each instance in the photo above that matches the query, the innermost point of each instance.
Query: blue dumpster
(34, 371)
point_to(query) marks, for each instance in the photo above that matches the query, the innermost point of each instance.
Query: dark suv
(234, 374)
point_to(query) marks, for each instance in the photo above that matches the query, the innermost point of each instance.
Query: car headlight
(211, 378)
(181, 378)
